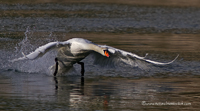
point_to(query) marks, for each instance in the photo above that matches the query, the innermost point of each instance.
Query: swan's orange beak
(106, 53)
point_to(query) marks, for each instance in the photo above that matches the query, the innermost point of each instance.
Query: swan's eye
(106, 53)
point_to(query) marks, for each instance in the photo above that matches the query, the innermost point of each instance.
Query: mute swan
(74, 50)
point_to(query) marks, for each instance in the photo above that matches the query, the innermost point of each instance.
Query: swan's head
(100, 49)
(106, 53)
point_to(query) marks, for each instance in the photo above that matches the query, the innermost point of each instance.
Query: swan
(74, 50)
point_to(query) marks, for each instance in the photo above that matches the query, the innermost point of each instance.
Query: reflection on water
(98, 93)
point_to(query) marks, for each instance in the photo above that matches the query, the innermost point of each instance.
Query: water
(162, 32)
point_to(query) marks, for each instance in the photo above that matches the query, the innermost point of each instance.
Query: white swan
(76, 49)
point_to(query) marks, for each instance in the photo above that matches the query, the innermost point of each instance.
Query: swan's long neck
(96, 48)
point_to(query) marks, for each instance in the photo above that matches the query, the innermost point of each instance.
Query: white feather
(82, 47)
(117, 55)
(41, 51)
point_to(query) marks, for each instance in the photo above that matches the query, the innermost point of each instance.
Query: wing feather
(117, 55)
(42, 50)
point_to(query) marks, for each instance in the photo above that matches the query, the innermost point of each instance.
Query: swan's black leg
(82, 68)
(56, 82)
(56, 69)
(82, 81)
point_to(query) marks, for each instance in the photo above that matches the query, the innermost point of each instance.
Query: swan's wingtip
(14, 60)
(18, 59)
(176, 57)
(161, 63)
(172, 60)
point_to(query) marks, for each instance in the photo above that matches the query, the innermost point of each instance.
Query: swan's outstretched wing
(42, 50)
(117, 55)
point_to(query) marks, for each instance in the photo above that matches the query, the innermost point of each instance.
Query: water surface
(162, 32)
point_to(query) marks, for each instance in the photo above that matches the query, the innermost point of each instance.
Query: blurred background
(158, 25)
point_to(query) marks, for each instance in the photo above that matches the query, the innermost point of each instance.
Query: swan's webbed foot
(82, 68)
(56, 68)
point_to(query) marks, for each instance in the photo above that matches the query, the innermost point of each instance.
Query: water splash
(25, 46)
(41, 65)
